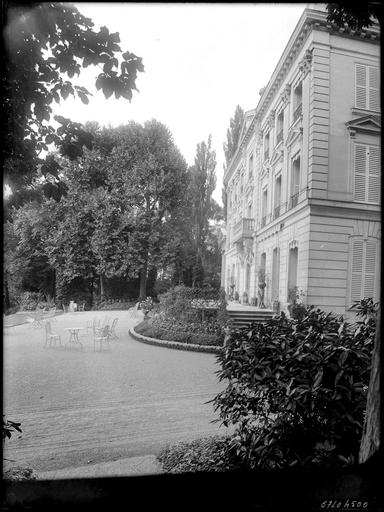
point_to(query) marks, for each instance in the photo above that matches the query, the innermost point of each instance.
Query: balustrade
(297, 112)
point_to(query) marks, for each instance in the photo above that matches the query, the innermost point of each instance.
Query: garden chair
(51, 314)
(81, 307)
(37, 319)
(50, 337)
(113, 334)
(106, 321)
(103, 337)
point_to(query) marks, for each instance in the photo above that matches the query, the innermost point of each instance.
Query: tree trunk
(370, 442)
(92, 291)
(143, 280)
(54, 285)
(6, 293)
(102, 286)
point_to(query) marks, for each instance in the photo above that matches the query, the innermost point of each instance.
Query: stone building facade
(303, 188)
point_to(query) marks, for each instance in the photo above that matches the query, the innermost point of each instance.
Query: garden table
(74, 336)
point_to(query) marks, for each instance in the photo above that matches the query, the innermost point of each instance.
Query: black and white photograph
(191, 255)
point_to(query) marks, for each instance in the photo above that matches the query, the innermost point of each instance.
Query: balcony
(279, 137)
(294, 200)
(276, 212)
(297, 113)
(242, 230)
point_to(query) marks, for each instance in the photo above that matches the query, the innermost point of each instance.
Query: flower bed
(176, 333)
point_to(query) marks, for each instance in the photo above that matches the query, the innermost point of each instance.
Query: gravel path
(85, 407)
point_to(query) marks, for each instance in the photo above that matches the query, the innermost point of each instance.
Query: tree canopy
(233, 134)
(46, 45)
(356, 15)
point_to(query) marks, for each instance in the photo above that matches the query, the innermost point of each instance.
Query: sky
(201, 60)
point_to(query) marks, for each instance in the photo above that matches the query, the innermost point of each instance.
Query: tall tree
(27, 263)
(233, 134)
(202, 185)
(45, 46)
(148, 170)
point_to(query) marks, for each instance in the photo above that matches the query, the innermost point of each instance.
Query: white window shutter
(374, 174)
(361, 86)
(374, 89)
(370, 269)
(360, 172)
(357, 269)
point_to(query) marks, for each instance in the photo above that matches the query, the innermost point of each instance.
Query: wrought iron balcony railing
(243, 229)
(294, 200)
(276, 212)
(263, 221)
(297, 112)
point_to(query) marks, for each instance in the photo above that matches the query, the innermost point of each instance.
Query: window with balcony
(367, 87)
(277, 198)
(295, 182)
(297, 101)
(366, 173)
(280, 127)
(264, 201)
(266, 146)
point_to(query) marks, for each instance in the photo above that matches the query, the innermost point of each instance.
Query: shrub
(19, 473)
(297, 389)
(191, 315)
(205, 454)
(28, 301)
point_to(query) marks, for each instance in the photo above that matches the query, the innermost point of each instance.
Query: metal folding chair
(50, 337)
(113, 334)
(103, 338)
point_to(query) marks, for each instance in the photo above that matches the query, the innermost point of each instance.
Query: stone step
(242, 318)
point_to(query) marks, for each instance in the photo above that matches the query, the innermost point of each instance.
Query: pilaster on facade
(318, 154)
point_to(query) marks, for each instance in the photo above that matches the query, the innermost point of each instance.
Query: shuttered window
(363, 269)
(367, 173)
(367, 87)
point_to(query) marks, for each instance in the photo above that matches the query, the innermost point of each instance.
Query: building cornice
(310, 19)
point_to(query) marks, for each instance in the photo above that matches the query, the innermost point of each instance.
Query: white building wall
(325, 219)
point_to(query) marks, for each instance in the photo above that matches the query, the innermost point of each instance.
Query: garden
(187, 315)
(296, 394)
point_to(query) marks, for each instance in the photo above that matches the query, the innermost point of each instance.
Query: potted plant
(261, 284)
(236, 296)
(253, 301)
(245, 298)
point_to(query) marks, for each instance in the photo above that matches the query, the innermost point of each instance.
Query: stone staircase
(244, 317)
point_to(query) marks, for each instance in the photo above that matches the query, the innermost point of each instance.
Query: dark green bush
(297, 388)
